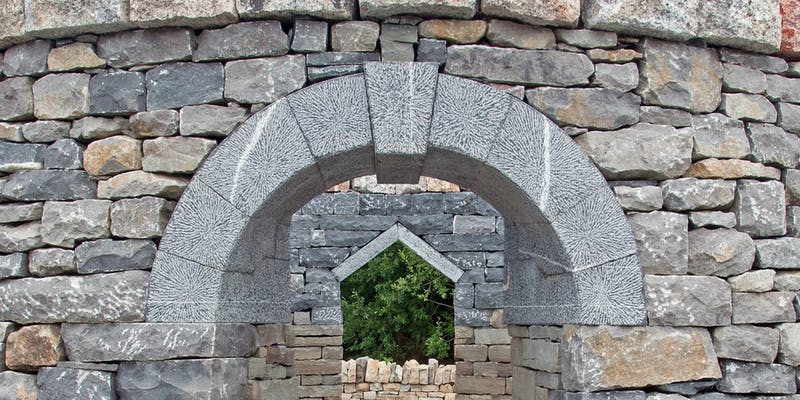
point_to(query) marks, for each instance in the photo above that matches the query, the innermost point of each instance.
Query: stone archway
(570, 254)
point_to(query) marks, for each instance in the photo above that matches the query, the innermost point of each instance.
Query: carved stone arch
(570, 255)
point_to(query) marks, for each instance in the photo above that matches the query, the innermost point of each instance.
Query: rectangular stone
(153, 46)
(45, 18)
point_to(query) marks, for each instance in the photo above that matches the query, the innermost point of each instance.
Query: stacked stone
(317, 360)
(483, 363)
(367, 378)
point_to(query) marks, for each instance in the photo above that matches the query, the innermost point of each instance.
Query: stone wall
(367, 378)
(102, 132)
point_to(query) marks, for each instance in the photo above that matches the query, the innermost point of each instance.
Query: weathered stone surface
(754, 281)
(453, 31)
(64, 154)
(209, 120)
(731, 169)
(286, 9)
(665, 116)
(680, 76)
(310, 36)
(736, 78)
(142, 218)
(773, 145)
(175, 155)
(720, 252)
(790, 28)
(381, 9)
(787, 281)
(752, 26)
(19, 212)
(761, 208)
(64, 223)
(154, 123)
(792, 182)
(712, 219)
(340, 58)
(47, 262)
(153, 46)
(587, 38)
(619, 56)
(687, 300)
(11, 132)
(519, 66)
(243, 40)
(587, 108)
(779, 253)
(642, 151)
(140, 183)
(22, 237)
(789, 117)
(780, 88)
(17, 100)
(117, 93)
(264, 80)
(68, 383)
(643, 18)
(355, 36)
(602, 358)
(523, 36)
(107, 255)
(763, 308)
(793, 221)
(744, 377)
(61, 96)
(75, 298)
(18, 386)
(397, 51)
(535, 12)
(34, 346)
(113, 155)
(93, 128)
(748, 107)
(789, 350)
(718, 136)
(182, 84)
(13, 265)
(45, 131)
(66, 18)
(73, 57)
(48, 185)
(27, 59)
(746, 343)
(213, 379)
(624, 77)
(645, 198)
(197, 14)
(770, 64)
(662, 240)
(687, 194)
(19, 157)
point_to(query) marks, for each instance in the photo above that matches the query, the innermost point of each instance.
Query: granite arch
(570, 254)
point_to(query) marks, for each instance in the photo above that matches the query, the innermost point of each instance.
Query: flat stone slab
(156, 341)
(215, 379)
(69, 383)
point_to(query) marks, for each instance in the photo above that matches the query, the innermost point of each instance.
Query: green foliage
(398, 307)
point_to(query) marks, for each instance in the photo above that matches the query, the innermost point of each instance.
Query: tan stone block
(453, 30)
(317, 367)
(320, 391)
(535, 12)
(500, 353)
(464, 368)
(731, 169)
(113, 155)
(472, 352)
(372, 371)
(332, 352)
(72, 57)
(195, 13)
(480, 385)
(34, 346)
(271, 334)
(280, 355)
(315, 330)
(306, 341)
(307, 353)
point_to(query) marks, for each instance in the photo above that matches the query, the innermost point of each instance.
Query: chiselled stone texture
(142, 218)
(380, 9)
(285, 9)
(21, 237)
(213, 379)
(64, 154)
(118, 297)
(197, 14)
(586, 108)
(645, 198)
(145, 47)
(603, 358)
(181, 84)
(18, 212)
(51, 261)
(535, 12)
(244, 40)
(688, 301)
(680, 76)
(65, 383)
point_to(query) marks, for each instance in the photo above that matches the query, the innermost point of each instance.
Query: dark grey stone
(320, 205)
(328, 257)
(356, 222)
(587, 38)
(310, 36)
(468, 259)
(473, 276)
(321, 73)
(326, 316)
(771, 64)
(466, 203)
(68, 383)
(354, 36)
(530, 67)
(472, 317)
(214, 379)
(780, 88)
(107, 255)
(45, 131)
(779, 253)
(21, 237)
(612, 395)
(688, 388)
(14, 265)
(182, 84)
(318, 275)
(17, 100)
(399, 204)
(624, 77)
(345, 203)
(27, 59)
(495, 275)
(467, 242)
(432, 50)
(242, 40)
(340, 58)
(117, 93)
(473, 224)
(428, 203)
(349, 238)
(744, 377)
(748, 107)
(372, 204)
(397, 51)
(760, 208)
(489, 295)
(264, 80)
(75, 299)
(152, 46)
(88, 366)
(593, 108)
(20, 156)
(48, 185)
(464, 295)
(773, 145)
(687, 301)
(64, 154)
(746, 343)
(428, 224)
(763, 308)
(146, 341)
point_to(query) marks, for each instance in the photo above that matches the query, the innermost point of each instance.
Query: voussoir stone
(687, 194)
(75, 298)
(181, 84)
(142, 218)
(746, 343)
(210, 120)
(535, 12)
(643, 151)
(243, 40)
(522, 36)
(587, 108)
(603, 358)
(113, 155)
(522, 67)
(64, 223)
(48, 185)
(34, 346)
(662, 240)
(107, 255)
(778, 253)
(381, 9)
(66, 383)
(264, 80)
(761, 208)
(17, 100)
(153, 46)
(175, 155)
(140, 183)
(720, 252)
(718, 136)
(687, 300)
(680, 76)
(146, 341)
(61, 96)
(745, 377)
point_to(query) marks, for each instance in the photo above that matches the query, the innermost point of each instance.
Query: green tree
(397, 308)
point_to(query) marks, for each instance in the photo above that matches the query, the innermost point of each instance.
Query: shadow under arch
(570, 254)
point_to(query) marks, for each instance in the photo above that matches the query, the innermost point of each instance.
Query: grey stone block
(466, 242)
(171, 277)
(712, 219)
(64, 223)
(427, 203)
(354, 36)
(780, 88)
(69, 383)
(746, 343)
(11, 132)
(665, 116)
(695, 194)
(142, 218)
(736, 78)
(718, 136)
(75, 299)
(326, 315)
(489, 295)
(61, 96)
(316, 74)
(242, 40)
(51, 261)
(432, 50)
(264, 80)
(209, 120)
(14, 265)
(779, 253)
(152, 46)
(742, 377)
(760, 208)
(64, 154)
(140, 183)
(14, 385)
(19, 212)
(687, 301)
(467, 260)
(770, 64)
(94, 128)
(345, 203)
(464, 296)
(624, 77)
(21, 237)
(662, 239)
(19, 157)
(720, 252)
(610, 294)
(213, 379)
(108, 255)
(45, 131)
(613, 395)
(392, 51)
(145, 341)
(427, 224)
(789, 117)
(472, 317)
(763, 308)
(17, 101)
(586, 38)
(646, 198)
(320, 205)
(748, 107)
(349, 238)
(357, 223)
(27, 59)
(495, 275)
(325, 59)
(328, 257)
(318, 275)
(310, 36)
(181, 84)
(467, 203)
(117, 93)
(372, 204)
(381, 9)
(286, 9)
(773, 145)
(609, 108)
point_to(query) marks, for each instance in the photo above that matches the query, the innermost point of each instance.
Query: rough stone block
(61, 96)
(622, 77)
(736, 78)
(13, 31)
(310, 36)
(140, 183)
(431, 50)
(243, 40)
(64, 223)
(753, 281)
(197, 14)
(19, 212)
(743, 377)
(789, 117)
(746, 343)
(355, 36)
(117, 93)
(45, 131)
(73, 57)
(720, 252)
(769, 64)
(47, 262)
(63, 383)
(18, 386)
(17, 101)
(760, 208)
(19, 157)
(153, 46)
(154, 123)
(645, 198)
(113, 155)
(748, 107)
(22, 237)
(34, 346)
(106, 255)
(142, 218)
(523, 36)
(751, 26)
(789, 349)
(27, 59)
(731, 169)
(687, 300)
(688, 194)
(64, 154)
(209, 120)
(93, 128)
(772, 145)
(717, 136)
(763, 308)
(68, 18)
(11, 132)
(213, 379)
(779, 253)
(264, 80)
(380, 9)
(14, 265)
(286, 9)
(453, 31)
(48, 185)
(182, 84)
(587, 108)
(535, 12)
(180, 155)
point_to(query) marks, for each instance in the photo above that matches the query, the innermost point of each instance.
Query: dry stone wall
(108, 108)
